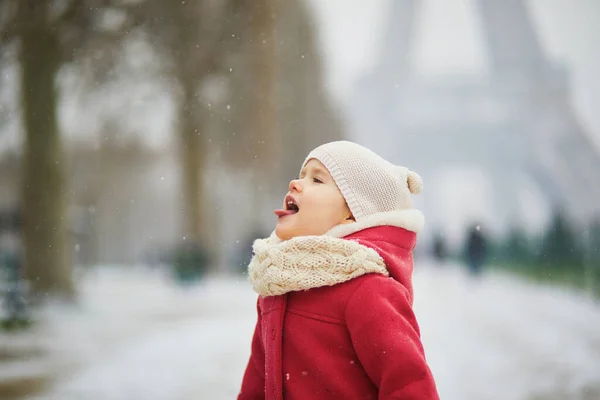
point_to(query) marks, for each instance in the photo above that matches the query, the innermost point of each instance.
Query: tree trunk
(47, 265)
(267, 144)
(267, 139)
(192, 160)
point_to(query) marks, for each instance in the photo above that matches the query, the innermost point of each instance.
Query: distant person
(335, 317)
(439, 248)
(476, 250)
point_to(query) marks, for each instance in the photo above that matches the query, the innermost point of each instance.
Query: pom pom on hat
(369, 183)
(415, 183)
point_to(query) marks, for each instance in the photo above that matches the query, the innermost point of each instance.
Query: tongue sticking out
(283, 213)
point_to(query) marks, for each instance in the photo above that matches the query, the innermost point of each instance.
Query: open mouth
(290, 205)
(291, 208)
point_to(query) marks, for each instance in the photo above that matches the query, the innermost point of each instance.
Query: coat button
(273, 333)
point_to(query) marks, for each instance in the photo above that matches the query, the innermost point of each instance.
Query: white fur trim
(411, 220)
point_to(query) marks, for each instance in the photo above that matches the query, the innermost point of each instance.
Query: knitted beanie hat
(369, 184)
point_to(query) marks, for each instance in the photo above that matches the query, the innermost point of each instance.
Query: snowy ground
(136, 336)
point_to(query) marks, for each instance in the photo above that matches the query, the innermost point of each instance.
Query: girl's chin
(283, 233)
(286, 233)
(286, 229)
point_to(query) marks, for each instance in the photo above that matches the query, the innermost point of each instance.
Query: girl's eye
(317, 180)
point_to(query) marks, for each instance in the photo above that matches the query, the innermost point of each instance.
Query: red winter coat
(354, 340)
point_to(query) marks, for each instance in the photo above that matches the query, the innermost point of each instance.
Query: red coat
(354, 340)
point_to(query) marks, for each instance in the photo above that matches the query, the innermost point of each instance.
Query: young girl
(335, 318)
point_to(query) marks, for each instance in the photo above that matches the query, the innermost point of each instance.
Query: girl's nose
(295, 185)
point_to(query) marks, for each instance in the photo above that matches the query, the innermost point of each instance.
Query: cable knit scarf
(308, 262)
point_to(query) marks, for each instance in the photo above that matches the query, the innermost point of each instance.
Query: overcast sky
(449, 38)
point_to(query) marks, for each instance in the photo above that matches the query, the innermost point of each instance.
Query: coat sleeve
(386, 338)
(253, 383)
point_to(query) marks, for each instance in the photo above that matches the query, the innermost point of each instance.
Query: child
(335, 318)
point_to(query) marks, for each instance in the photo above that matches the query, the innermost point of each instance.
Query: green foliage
(560, 255)
(516, 247)
(561, 245)
(15, 324)
(593, 248)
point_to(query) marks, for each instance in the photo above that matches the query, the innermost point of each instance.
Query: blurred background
(144, 145)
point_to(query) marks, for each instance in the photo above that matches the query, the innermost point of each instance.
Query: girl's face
(313, 205)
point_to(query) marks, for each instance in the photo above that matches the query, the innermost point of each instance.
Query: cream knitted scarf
(308, 262)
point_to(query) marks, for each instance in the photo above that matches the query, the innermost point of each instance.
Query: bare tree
(263, 123)
(190, 37)
(49, 34)
(307, 115)
(276, 107)
(264, 71)
(277, 91)
(43, 183)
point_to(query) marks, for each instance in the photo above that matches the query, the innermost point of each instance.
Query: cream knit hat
(370, 184)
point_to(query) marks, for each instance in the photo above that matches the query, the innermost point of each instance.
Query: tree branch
(83, 32)
(193, 37)
(73, 9)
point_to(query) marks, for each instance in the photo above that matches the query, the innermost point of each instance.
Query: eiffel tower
(518, 121)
